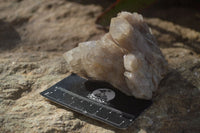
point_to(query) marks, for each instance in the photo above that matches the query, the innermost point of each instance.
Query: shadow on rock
(175, 11)
(175, 107)
(9, 37)
(169, 10)
(103, 3)
(192, 44)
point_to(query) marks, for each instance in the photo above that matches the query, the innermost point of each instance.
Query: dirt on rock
(35, 34)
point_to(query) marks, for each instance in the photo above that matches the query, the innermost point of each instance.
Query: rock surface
(31, 61)
(127, 56)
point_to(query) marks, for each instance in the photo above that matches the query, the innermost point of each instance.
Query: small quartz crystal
(127, 57)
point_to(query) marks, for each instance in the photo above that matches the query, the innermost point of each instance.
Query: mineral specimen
(127, 57)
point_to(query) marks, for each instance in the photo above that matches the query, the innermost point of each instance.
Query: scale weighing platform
(96, 99)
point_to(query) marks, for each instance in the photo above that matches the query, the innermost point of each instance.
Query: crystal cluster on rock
(127, 56)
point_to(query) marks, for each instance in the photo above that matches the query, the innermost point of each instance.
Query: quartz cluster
(127, 57)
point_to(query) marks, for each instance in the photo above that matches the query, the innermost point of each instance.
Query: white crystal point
(127, 57)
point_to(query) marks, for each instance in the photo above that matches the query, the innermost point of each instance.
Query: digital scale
(96, 99)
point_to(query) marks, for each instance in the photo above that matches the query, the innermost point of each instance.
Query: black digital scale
(96, 99)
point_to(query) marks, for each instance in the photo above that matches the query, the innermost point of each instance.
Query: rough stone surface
(31, 61)
(127, 56)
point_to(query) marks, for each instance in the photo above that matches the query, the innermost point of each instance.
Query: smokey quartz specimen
(127, 56)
